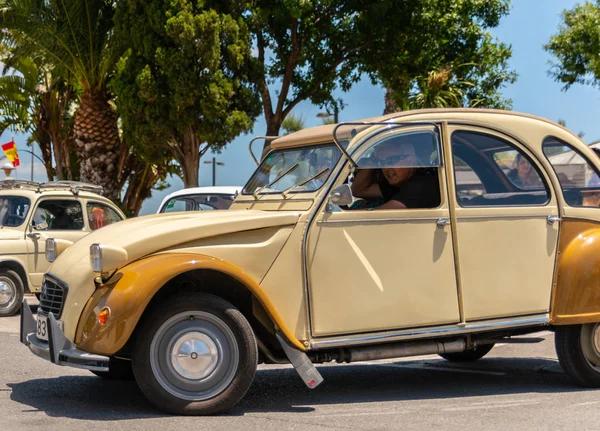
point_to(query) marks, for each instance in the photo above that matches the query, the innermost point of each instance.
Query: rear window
(578, 178)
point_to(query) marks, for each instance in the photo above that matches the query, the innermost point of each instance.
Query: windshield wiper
(317, 175)
(280, 176)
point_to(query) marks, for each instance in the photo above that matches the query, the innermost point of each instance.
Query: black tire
(11, 292)
(578, 357)
(468, 355)
(227, 359)
(118, 369)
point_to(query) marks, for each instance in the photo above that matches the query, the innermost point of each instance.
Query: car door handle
(551, 219)
(442, 222)
(33, 235)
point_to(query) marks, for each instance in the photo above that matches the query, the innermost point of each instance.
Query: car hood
(141, 236)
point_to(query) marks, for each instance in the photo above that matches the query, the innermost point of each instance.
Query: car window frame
(518, 146)
(59, 198)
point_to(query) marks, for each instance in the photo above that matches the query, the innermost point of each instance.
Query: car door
(374, 270)
(52, 218)
(507, 225)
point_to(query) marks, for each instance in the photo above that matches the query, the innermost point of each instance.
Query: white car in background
(199, 198)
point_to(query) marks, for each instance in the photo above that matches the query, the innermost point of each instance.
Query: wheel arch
(17, 267)
(136, 290)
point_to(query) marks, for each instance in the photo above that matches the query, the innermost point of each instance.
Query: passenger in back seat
(523, 175)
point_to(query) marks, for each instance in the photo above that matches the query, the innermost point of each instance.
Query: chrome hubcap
(590, 344)
(7, 293)
(194, 356)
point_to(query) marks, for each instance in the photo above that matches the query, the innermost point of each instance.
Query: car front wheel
(578, 351)
(11, 292)
(195, 355)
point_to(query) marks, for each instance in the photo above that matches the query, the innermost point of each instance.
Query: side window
(100, 215)
(58, 215)
(468, 183)
(490, 171)
(399, 171)
(178, 204)
(578, 179)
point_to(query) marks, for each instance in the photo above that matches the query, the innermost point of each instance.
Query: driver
(398, 184)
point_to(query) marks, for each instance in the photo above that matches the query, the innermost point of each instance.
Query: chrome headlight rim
(50, 251)
(96, 259)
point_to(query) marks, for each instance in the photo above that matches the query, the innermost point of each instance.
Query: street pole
(32, 156)
(214, 169)
(214, 163)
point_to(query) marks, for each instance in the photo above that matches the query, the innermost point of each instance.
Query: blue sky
(527, 28)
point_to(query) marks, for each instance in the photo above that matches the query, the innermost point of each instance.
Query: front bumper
(58, 350)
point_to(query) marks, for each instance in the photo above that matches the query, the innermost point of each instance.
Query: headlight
(105, 258)
(50, 250)
(54, 247)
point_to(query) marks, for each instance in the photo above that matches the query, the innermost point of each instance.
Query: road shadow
(281, 390)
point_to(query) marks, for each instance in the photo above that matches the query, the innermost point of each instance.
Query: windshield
(291, 168)
(13, 210)
(198, 202)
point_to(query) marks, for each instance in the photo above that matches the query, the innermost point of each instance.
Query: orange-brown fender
(576, 297)
(137, 284)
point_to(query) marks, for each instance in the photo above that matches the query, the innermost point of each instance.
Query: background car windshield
(13, 210)
(198, 202)
(310, 161)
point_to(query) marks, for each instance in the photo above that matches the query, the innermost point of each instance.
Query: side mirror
(341, 195)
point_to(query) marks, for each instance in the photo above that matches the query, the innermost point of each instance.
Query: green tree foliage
(182, 85)
(35, 102)
(437, 37)
(308, 49)
(576, 46)
(292, 123)
(74, 38)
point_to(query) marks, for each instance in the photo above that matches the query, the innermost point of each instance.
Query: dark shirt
(422, 190)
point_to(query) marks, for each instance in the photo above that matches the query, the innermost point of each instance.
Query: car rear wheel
(11, 292)
(118, 369)
(195, 355)
(468, 355)
(578, 351)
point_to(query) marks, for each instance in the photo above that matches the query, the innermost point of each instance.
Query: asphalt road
(515, 387)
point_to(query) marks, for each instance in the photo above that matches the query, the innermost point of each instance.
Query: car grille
(52, 297)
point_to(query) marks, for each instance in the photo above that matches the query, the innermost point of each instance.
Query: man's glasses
(392, 160)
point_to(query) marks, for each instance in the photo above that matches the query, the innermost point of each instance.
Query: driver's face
(397, 155)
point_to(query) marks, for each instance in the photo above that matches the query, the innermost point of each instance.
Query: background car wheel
(468, 355)
(118, 369)
(578, 351)
(11, 292)
(195, 355)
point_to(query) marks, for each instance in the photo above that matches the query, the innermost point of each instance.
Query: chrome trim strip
(384, 337)
(360, 220)
(502, 216)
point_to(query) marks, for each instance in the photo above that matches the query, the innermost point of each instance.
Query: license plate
(42, 327)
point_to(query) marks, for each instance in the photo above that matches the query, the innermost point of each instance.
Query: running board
(304, 367)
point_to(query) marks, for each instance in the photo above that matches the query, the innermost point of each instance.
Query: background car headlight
(105, 258)
(54, 247)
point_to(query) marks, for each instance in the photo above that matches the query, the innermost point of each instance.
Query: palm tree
(73, 37)
(439, 90)
(35, 102)
(292, 124)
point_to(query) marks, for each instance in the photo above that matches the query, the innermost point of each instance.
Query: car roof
(215, 190)
(322, 134)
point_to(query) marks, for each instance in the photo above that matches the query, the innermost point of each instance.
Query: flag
(10, 151)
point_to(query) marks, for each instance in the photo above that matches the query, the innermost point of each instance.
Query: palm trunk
(98, 143)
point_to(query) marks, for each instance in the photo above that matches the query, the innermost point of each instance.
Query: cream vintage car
(300, 271)
(31, 212)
